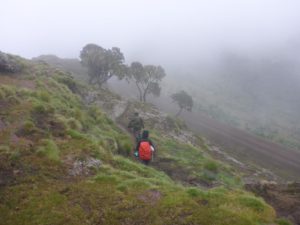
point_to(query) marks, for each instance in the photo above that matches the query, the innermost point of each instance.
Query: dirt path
(247, 147)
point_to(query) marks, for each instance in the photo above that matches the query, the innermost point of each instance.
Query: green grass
(282, 221)
(55, 129)
(192, 163)
(49, 149)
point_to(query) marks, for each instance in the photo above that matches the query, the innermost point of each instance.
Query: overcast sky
(149, 30)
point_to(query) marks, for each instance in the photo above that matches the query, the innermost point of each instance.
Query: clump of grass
(75, 134)
(24, 92)
(42, 108)
(102, 178)
(194, 192)
(2, 94)
(44, 96)
(208, 176)
(69, 81)
(7, 90)
(135, 184)
(283, 221)
(78, 114)
(110, 144)
(60, 119)
(124, 145)
(95, 113)
(4, 148)
(28, 127)
(211, 165)
(74, 124)
(15, 155)
(49, 149)
(252, 202)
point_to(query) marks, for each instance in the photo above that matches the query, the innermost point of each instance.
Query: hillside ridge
(63, 161)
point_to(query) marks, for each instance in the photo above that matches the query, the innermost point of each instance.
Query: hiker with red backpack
(145, 148)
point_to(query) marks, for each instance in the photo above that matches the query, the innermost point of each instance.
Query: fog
(239, 59)
(162, 32)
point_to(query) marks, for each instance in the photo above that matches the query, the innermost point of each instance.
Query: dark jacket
(136, 124)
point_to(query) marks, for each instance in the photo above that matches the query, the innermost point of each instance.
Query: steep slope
(63, 161)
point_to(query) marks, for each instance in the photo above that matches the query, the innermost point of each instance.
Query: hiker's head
(145, 134)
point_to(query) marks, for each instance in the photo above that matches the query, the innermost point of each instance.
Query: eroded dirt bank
(285, 198)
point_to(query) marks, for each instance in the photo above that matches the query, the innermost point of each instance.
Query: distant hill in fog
(258, 94)
(67, 64)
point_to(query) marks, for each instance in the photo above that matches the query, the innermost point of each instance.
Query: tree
(183, 100)
(146, 78)
(102, 63)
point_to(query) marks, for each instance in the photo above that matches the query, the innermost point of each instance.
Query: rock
(84, 167)
(9, 63)
(150, 197)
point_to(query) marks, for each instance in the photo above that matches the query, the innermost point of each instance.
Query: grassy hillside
(259, 96)
(63, 161)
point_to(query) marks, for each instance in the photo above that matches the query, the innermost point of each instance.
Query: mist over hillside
(216, 83)
(258, 93)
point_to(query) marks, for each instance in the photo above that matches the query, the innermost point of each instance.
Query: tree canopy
(183, 100)
(146, 78)
(102, 63)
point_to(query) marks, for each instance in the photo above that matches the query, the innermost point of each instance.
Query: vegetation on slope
(65, 162)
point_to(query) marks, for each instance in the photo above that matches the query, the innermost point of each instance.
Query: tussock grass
(49, 149)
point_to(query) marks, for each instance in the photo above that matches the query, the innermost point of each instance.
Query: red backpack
(145, 152)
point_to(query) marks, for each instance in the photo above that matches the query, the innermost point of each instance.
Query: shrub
(69, 81)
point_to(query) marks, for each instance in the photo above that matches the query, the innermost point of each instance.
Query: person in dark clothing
(136, 124)
(145, 148)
